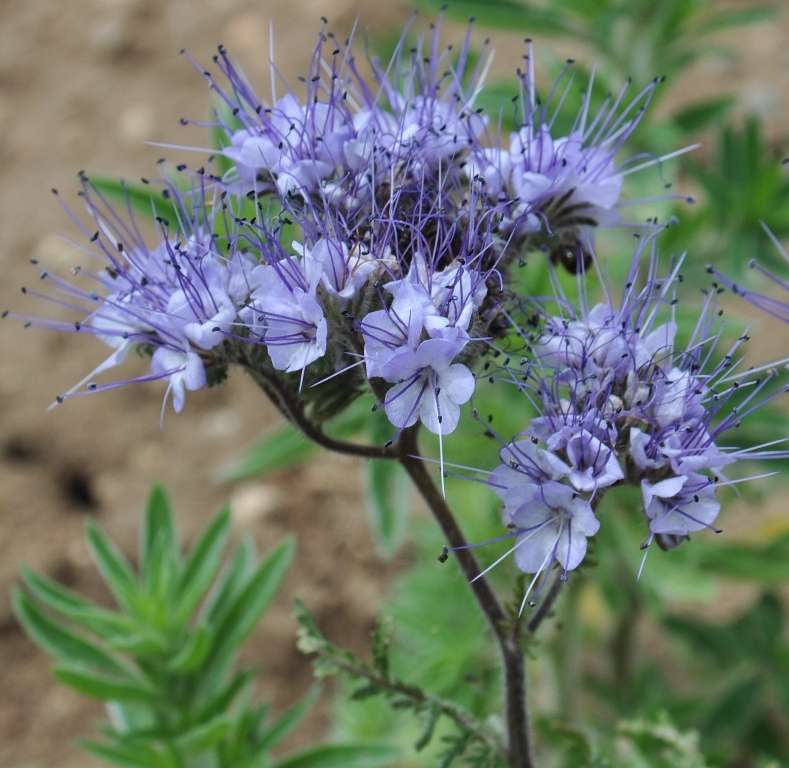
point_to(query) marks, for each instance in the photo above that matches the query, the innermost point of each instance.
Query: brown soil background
(83, 83)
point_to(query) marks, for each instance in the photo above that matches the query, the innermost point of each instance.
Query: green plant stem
(623, 646)
(466, 721)
(289, 406)
(406, 451)
(515, 705)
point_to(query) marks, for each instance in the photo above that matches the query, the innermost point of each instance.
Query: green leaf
(388, 503)
(102, 622)
(737, 710)
(158, 524)
(742, 18)
(128, 755)
(114, 568)
(430, 718)
(341, 756)
(281, 448)
(59, 642)
(101, 687)
(141, 644)
(202, 564)
(768, 563)
(222, 697)
(246, 609)
(205, 736)
(288, 720)
(230, 582)
(701, 114)
(142, 199)
(194, 653)
(504, 14)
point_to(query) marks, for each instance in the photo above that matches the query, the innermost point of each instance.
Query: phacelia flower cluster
(620, 401)
(356, 239)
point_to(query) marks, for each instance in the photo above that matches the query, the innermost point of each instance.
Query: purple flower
(178, 300)
(428, 386)
(183, 370)
(561, 186)
(552, 524)
(348, 138)
(680, 505)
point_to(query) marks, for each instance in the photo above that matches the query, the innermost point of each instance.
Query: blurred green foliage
(165, 661)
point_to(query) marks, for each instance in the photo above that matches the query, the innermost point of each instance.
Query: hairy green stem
(406, 451)
(515, 705)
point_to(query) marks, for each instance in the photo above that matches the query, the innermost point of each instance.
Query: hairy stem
(516, 714)
(546, 604)
(289, 406)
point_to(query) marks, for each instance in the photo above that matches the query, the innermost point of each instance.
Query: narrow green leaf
(341, 756)
(430, 718)
(202, 564)
(768, 563)
(252, 601)
(102, 622)
(230, 582)
(158, 523)
(140, 644)
(736, 711)
(194, 653)
(114, 568)
(281, 448)
(143, 199)
(101, 687)
(388, 504)
(130, 755)
(504, 14)
(730, 19)
(205, 736)
(286, 446)
(700, 115)
(288, 720)
(223, 697)
(60, 642)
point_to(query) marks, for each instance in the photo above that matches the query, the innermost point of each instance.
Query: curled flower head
(619, 401)
(177, 300)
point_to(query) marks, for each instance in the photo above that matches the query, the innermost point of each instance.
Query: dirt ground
(83, 83)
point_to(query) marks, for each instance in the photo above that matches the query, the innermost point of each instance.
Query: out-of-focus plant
(642, 39)
(165, 660)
